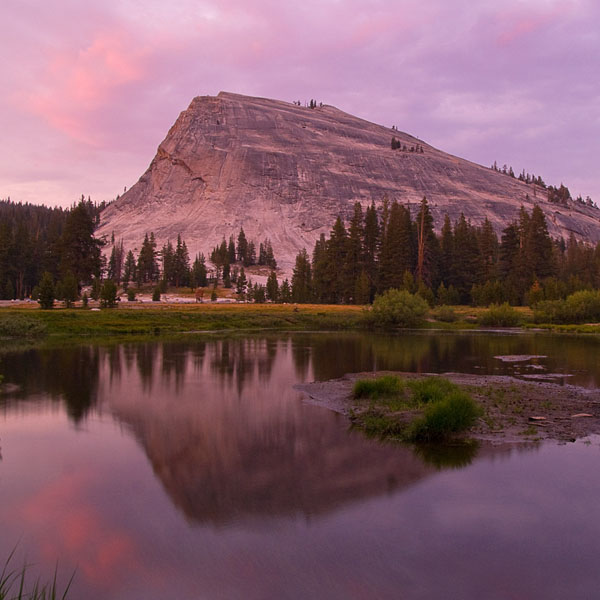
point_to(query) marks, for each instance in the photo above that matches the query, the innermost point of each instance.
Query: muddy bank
(514, 410)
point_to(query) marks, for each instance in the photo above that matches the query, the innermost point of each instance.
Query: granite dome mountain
(285, 172)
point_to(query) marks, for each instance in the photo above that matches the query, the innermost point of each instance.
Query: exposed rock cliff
(285, 172)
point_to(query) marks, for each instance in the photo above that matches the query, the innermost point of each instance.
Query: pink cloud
(519, 25)
(78, 83)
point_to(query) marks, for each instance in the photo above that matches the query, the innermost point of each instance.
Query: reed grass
(14, 584)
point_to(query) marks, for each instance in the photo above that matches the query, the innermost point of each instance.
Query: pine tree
(181, 263)
(428, 250)
(337, 258)
(321, 272)
(371, 245)
(147, 267)
(80, 251)
(168, 263)
(231, 250)
(301, 278)
(46, 291)
(446, 251)
(488, 251)
(242, 247)
(272, 287)
(241, 285)
(466, 258)
(538, 246)
(129, 271)
(509, 263)
(355, 254)
(285, 292)
(397, 249)
(199, 278)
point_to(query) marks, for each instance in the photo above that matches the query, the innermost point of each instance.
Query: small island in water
(494, 409)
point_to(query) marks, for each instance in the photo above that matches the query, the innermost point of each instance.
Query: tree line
(379, 249)
(464, 264)
(37, 239)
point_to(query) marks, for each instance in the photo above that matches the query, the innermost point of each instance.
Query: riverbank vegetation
(432, 409)
(388, 258)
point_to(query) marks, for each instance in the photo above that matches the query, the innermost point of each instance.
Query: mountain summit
(285, 172)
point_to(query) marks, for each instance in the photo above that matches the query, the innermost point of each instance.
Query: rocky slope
(285, 172)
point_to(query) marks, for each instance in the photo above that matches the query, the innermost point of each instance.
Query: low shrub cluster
(436, 408)
(500, 315)
(397, 308)
(580, 307)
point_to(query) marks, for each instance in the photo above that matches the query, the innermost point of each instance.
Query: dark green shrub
(67, 289)
(46, 291)
(500, 315)
(397, 308)
(156, 294)
(455, 413)
(551, 311)
(577, 308)
(131, 295)
(108, 294)
(584, 305)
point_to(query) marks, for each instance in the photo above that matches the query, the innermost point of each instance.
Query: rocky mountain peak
(285, 172)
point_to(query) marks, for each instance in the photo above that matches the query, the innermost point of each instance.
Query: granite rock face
(285, 172)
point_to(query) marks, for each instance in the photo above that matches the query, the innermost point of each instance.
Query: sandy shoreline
(516, 411)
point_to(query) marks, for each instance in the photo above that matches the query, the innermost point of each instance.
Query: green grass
(14, 585)
(431, 409)
(454, 413)
(20, 326)
(431, 389)
(375, 389)
(169, 319)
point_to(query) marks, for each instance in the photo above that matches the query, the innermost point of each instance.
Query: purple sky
(91, 88)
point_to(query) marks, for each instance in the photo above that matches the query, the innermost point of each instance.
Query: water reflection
(71, 375)
(235, 440)
(201, 473)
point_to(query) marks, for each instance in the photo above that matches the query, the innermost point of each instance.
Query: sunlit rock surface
(285, 172)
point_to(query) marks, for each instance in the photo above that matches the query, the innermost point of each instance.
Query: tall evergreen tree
(355, 253)
(397, 249)
(80, 250)
(301, 278)
(428, 249)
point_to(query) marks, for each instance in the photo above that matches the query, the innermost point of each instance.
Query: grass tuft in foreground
(431, 409)
(454, 413)
(14, 585)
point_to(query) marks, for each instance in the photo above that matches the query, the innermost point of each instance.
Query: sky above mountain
(91, 88)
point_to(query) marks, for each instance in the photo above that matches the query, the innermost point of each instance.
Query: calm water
(194, 470)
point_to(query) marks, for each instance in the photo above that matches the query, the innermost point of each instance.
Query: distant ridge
(285, 172)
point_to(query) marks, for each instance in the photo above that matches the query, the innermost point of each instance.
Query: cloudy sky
(90, 88)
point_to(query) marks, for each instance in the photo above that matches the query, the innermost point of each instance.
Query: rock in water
(285, 172)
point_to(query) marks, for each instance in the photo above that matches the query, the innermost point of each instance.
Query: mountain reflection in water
(193, 469)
